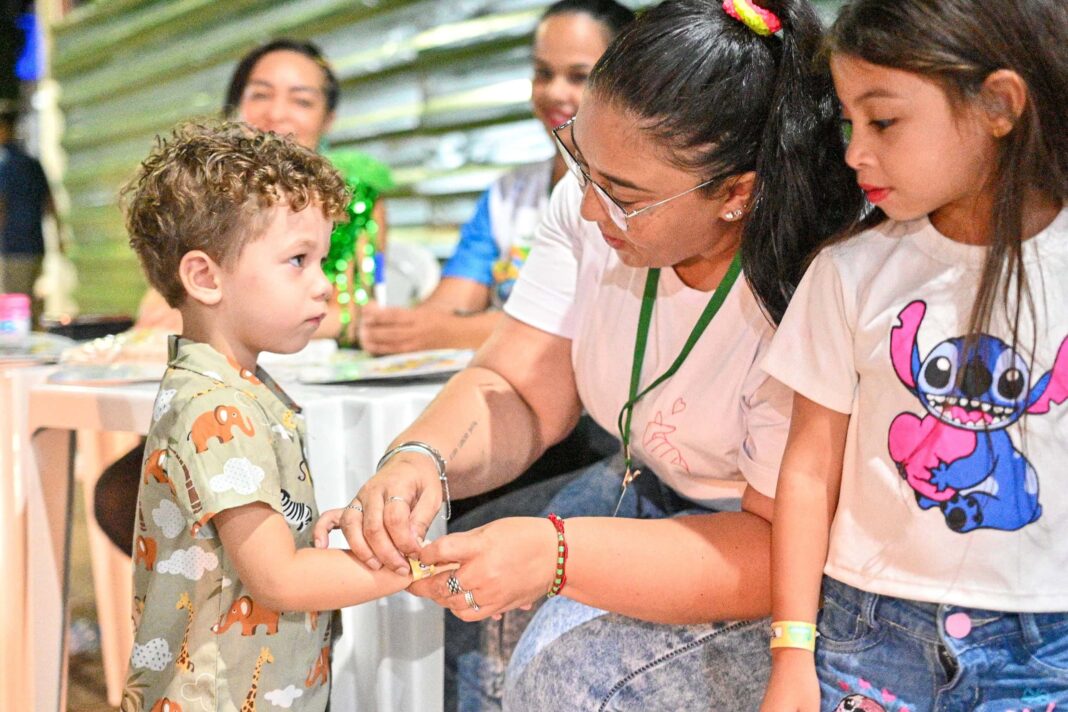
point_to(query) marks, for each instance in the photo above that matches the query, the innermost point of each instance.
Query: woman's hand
(390, 515)
(391, 330)
(794, 686)
(506, 564)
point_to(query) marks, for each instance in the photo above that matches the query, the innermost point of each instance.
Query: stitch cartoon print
(959, 457)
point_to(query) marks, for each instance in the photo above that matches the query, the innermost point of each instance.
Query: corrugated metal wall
(437, 89)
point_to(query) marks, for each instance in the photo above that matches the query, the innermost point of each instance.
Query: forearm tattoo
(463, 439)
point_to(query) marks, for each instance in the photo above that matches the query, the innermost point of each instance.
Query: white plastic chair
(412, 272)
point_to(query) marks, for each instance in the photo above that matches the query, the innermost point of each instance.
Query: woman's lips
(875, 194)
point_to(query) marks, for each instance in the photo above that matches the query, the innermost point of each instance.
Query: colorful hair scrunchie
(761, 21)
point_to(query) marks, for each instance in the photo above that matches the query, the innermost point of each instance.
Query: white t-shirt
(718, 418)
(945, 495)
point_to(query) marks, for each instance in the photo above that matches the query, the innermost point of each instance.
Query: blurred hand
(506, 564)
(392, 330)
(154, 313)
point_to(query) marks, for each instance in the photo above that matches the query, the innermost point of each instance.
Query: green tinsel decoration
(366, 178)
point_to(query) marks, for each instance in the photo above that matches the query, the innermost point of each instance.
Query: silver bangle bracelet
(439, 463)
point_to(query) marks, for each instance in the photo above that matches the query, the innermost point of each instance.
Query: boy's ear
(1004, 96)
(200, 276)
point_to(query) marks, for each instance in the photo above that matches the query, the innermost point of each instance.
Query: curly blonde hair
(208, 187)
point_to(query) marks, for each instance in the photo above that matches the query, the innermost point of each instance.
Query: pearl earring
(733, 215)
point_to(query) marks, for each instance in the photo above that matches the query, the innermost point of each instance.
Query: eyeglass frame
(585, 181)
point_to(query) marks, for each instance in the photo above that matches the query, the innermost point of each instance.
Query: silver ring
(355, 505)
(454, 585)
(396, 498)
(470, 598)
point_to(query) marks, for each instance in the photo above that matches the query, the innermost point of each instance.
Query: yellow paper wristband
(793, 634)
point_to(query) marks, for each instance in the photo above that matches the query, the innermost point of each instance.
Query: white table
(16, 466)
(390, 655)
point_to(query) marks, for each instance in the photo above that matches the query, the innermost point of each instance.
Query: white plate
(419, 364)
(111, 374)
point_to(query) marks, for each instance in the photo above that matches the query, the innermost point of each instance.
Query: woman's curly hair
(208, 187)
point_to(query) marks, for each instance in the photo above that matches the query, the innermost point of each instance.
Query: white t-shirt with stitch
(719, 418)
(946, 494)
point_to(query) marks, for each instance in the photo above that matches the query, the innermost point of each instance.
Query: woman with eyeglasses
(707, 164)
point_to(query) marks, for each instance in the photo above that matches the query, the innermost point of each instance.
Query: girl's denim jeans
(881, 653)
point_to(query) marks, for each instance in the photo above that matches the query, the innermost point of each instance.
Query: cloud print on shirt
(163, 403)
(240, 475)
(190, 563)
(154, 655)
(168, 517)
(283, 698)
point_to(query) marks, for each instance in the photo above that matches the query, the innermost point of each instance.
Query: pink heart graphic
(920, 445)
(844, 685)
(864, 684)
(678, 406)
(888, 696)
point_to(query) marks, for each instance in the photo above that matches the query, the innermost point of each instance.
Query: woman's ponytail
(805, 192)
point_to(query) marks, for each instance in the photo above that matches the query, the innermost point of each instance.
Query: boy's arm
(284, 578)
(805, 502)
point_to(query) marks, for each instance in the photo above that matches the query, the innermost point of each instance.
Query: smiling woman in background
(465, 307)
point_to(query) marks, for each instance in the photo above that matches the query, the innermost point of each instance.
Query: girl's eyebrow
(878, 93)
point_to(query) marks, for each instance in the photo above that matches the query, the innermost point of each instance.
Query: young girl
(929, 357)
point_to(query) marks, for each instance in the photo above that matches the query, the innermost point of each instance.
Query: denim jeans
(881, 653)
(566, 655)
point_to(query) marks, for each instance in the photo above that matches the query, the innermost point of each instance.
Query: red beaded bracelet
(561, 557)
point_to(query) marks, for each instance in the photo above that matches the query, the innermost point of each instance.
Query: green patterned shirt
(221, 437)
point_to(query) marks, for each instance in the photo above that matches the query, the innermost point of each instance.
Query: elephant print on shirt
(155, 469)
(250, 615)
(145, 550)
(219, 423)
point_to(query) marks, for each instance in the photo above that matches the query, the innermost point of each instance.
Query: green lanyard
(640, 340)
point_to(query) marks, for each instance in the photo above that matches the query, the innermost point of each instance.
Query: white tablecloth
(390, 655)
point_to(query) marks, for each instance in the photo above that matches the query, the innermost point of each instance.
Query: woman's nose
(592, 208)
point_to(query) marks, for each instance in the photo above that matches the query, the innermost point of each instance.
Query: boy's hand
(794, 686)
(328, 522)
(390, 515)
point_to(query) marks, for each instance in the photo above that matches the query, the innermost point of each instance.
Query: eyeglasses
(619, 215)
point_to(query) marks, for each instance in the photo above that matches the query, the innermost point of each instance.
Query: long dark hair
(728, 101)
(959, 43)
(609, 13)
(239, 79)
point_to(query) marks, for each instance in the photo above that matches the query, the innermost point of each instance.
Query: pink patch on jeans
(958, 625)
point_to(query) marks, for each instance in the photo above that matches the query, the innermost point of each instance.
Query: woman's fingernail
(403, 570)
(374, 564)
